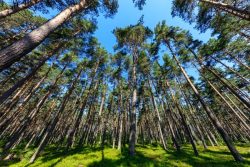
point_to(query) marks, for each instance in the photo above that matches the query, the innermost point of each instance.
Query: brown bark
(30, 41)
(13, 10)
(213, 118)
(158, 116)
(132, 135)
(235, 72)
(26, 79)
(52, 126)
(243, 14)
(183, 119)
(229, 87)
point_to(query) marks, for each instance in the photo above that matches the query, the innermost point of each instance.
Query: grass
(146, 156)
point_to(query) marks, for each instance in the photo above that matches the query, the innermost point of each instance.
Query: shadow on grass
(143, 157)
(185, 157)
(245, 155)
(49, 154)
(6, 163)
(126, 160)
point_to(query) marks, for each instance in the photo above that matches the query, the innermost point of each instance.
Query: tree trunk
(20, 83)
(237, 60)
(231, 108)
(132, 135)
(183, 119)
(229, 87)
(169, 123)
(121, 122)
(26, 121)
(243, 14)
(52, 126)
(30, 41)
(235, 72)
(158, 116)
(214, 119)
(15, 9)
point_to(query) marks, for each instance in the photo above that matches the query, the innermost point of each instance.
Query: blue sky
(154, 12)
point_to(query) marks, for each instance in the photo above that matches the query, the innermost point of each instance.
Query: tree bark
(13, 10)
(30, 41)
(158, 116)
(243, 14)
(52, 126)
(132, 135)
(229, 87)
(20, 83)
(213, 118)
(183, 119)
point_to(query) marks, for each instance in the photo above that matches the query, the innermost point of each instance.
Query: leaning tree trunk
(190, 109)
(232, 70)
(13, 10)
(213, 118)
(243, 14)
(240, 63)
(27, 120)
(158, 116)
(243, 100)
(168, 117)
(20, 83)
(82, 107)
(52, 126)
(227, 103)
(30, 41)
(3, 82)
(183, 119)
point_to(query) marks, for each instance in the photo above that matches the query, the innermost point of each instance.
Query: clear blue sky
(154, 12)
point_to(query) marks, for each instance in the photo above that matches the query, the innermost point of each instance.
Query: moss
(146, 156)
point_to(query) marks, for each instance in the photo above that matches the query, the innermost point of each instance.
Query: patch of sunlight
(146, 156)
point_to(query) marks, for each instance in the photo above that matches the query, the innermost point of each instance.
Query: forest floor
(146, 156)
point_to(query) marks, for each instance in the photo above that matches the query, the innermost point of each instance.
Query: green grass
(147, 156)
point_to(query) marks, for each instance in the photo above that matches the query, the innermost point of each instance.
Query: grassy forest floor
(146, 156)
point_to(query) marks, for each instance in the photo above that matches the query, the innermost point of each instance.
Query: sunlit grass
(146, 156)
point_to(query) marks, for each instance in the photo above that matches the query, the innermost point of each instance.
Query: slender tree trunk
(158, 116)
(231, 108)
(240, 111)
(229, 87)
(237, 60)
(121, 122)
(52, 126)
(30, 41)
(20, 83)
(213, 118)
(183, 119)
(13, 10)
(132, 135)
(79, 117)
(169, 123)
(3, 82)
(193, 119)
(26, 121)
(243, 14)
(235, 72)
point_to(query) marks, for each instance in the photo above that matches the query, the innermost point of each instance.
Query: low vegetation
(146, 156)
